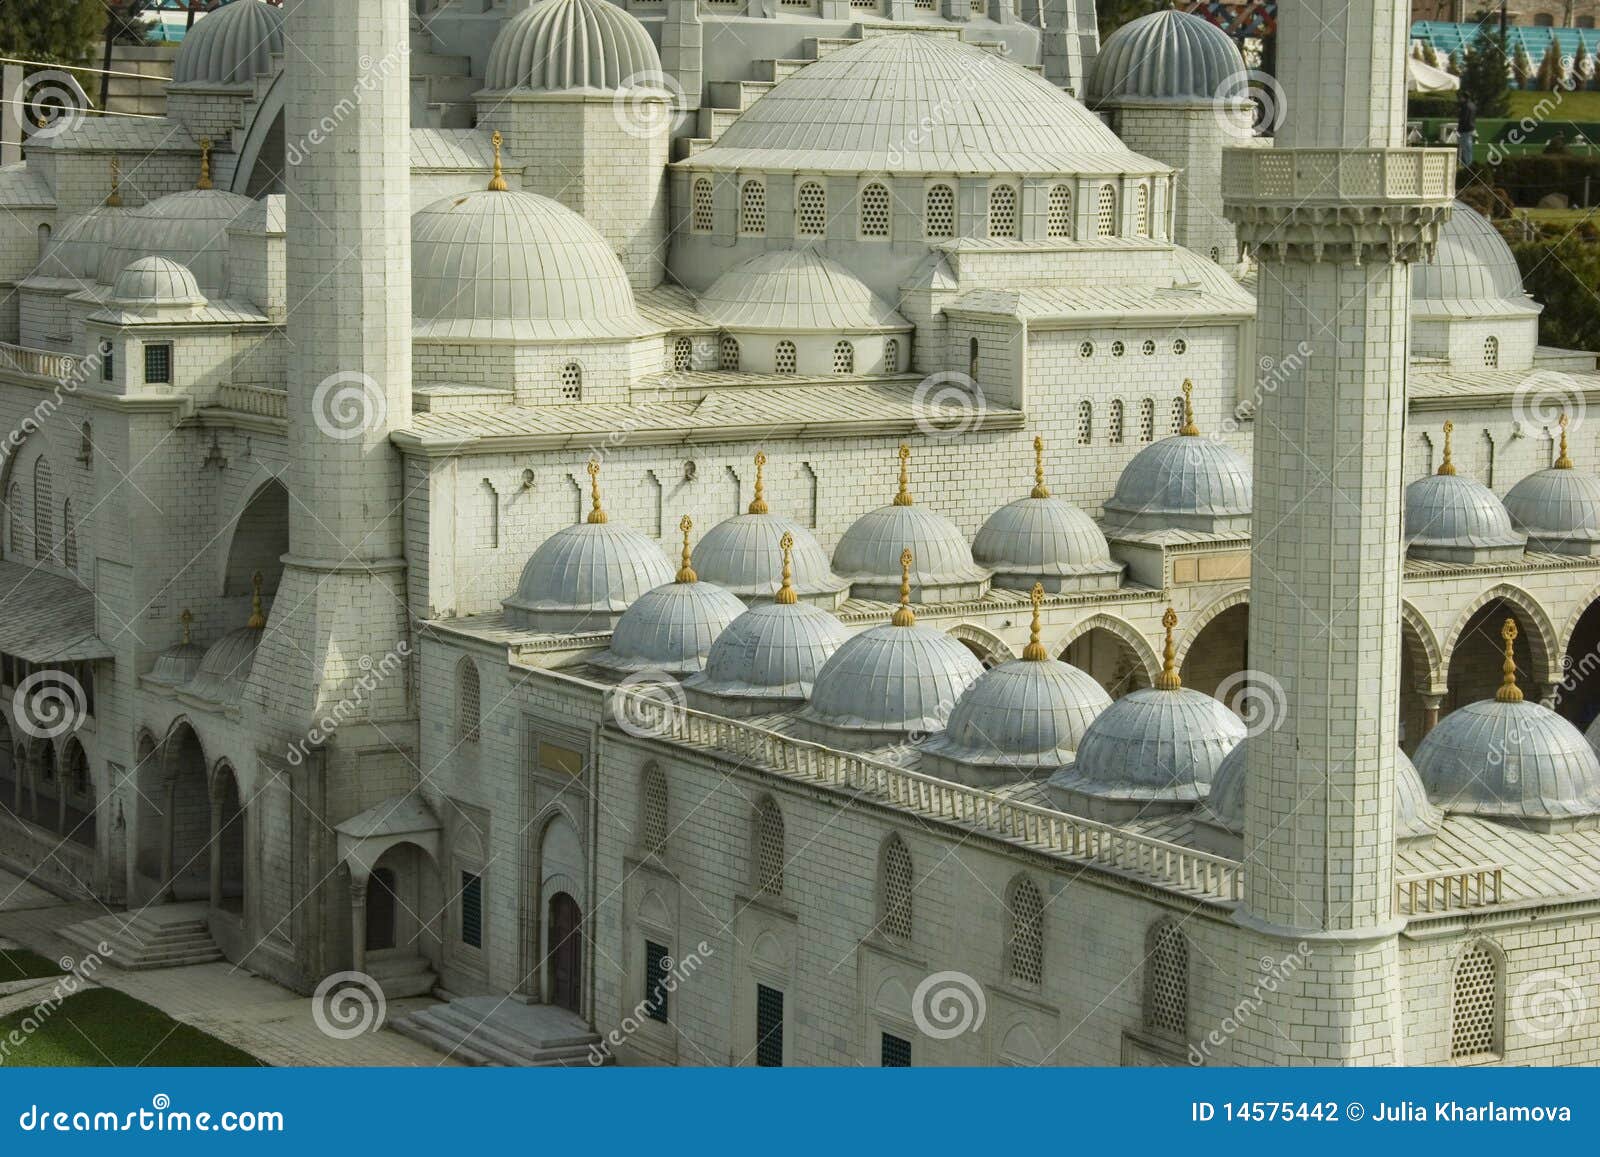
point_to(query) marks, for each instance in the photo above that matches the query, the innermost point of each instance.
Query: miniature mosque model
(705, 515)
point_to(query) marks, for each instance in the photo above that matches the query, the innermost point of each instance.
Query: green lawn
(20, 964)
(1574, 106)
(1564, 218)
(101, 1027)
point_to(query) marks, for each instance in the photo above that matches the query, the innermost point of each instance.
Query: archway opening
(1578, 697)
(187, 807)
(228, 842)
(1219, 652)
(10, 781)
(260, 540)
(77, 796)
(1109, 659)
(1413, 681)
(564, 961)
(1479, 653)
(45, 785)
(403, 906)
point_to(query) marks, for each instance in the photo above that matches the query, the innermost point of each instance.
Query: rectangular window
(108, 363)
(896, 1052)
(657, 968)
(158, 364)
(769, 1027)
(472, 909)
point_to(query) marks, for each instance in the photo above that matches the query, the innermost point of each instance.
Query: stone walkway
(265, 1020)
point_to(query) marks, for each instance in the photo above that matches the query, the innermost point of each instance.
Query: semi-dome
(157, 282)
(559, 45)
(1158, 747)
(1509, 759)
(190, 228)
(1453, 518)
(1042, 539)
(1559, 508)
(225, 668)
(503, 264)
(670, 629)
(1415, 817)
(231, 45)
(796, 291)
(179, 663)
(908, 103)
(1184, 482)
(583, 577)
(742, 554)
(1168, 56)
(1473, 271)
(868, 554)
(1022, 718)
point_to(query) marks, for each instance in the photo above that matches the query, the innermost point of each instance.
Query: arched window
(17, 528)
(1024, 932)
(69, 536)
(891, 356)
(572, 382)
(1216, 255)
(653, 810)
(895, 884)
(1003, 211)
(769, 848)
(1141, 210)
(1491, 353)
(467, 701)
(1177, 414)
(1477, 1003)
(728, 352)
(939, 212)
(44, 546)
(1166, 981)
(972, 359)
(1105, 219)
(752, 208)
(784, 359)
(702, 218)
(1114, 424)
(1058, 212)
(811, 210)
(1147, 419)
(844, 358)
(1085, 422)
(875, 210)
(683, 354)
(1543, 20)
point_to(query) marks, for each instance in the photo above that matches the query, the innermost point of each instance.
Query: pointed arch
(1419, 641)
(1143, 653)
(1196, 623)
(258, 537)
(1537, 628)
(989, 647)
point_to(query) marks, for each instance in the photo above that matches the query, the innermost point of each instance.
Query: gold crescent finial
(596, 515)
(1034, 652)
(205, 164)
(258, 618)
(497, 183)
(1188, 429)
(187, 618)
(1562, 461)
(686, 572)
(1168, 679)
(758, 504)
(114, 198)
(903, 498)
(1447, 467)
(1509, 691)
(1040, 490)
(904, 617)
(786, 596)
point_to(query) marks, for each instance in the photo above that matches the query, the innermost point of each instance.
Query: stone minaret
(1335, 214)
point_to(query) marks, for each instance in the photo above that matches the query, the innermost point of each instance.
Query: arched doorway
(260, 540)
(404, 909)
(77, 795)
(564, 962)
(227, 846)
(1110, 659)
(1479, 653)
(185, 804)
(1218, 652)
(1578, 698)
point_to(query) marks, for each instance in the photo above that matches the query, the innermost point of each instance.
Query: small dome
(1168, 55)
(1184, 482)
(515, 265)
(1154, 744)
(1511, 761)
(156, 281)
(231, 45)
(1027, 715)
(1473, 271)
(583, 577)
(892, 682)
(796, 290)
(671, 628)
(1559, 508)
(772, 651)
(77, 248)
(190, 228)
(569, 44)
(225, 668)
(177, 665)
(741, 555)
(1414, 816)
(1045, 540)
(1451, 517)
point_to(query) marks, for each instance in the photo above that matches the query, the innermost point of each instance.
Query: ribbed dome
(225, 669)
(177, 665)
(1183, 482)
(868, 556)
(231, 45)
(789, 291)
(156, 281)
(190, 228)
(1414, 816)
(1454, 512)
(1558, 509)
(1168, 55)
(1513, 761)
(1153, 744)
(583, 577)
(892, 680)
(568, 44)
(671, 628)
(741, 554)
(515, 265)
(1045, 540)
(1473, 270)
(1025, 715)
(772, 651)
(77, 248)
(908, 103)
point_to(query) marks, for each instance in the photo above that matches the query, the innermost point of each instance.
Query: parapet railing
(1452, 890)
(38, 363)
(256, 400)
(1313, 175)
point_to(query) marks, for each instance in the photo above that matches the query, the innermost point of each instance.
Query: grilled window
(1475, 1004)
(654, 818)
(769, 1027)
(467, 720)
(1114, 424)
(44, 546)
(158, 363)
(1105, 221)
(896, 895)
(769, 848)
(844, 358)
(895, 1052)
(784, 359)
(891, 356)
(683, 354)
(1166, 981)
(1147, 419)
(1058, 212)
(702, 219)
(1025, 940)
(728, 351)
(1003, 211)
(811, 210)
(657, 974)
(572, 382)
(472, 909)
(940, 211)
(875, 211)
(753, 208)
(1085, 422)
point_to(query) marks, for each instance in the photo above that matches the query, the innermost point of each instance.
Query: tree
(57, 31)
(1550, 69)
(1522, 66)
(1486, 70)
(123, 26)
(1430, 54)
(1561, 274)
(1582, 67)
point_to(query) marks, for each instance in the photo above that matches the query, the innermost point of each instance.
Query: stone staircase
(493, 1030)
(161, 936)
(441, 85)
(401, 974)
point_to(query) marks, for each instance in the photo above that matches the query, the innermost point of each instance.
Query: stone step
(402, 976)
(776, 70)
(417, 1028)
(816, 47)
(493, 1030)
(162, 936)
(713, 122)
(739, 94)
(437, 64)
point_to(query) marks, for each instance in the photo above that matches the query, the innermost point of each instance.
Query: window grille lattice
(572, 382)
(940, 211)
(468, 722)
(784, 360)
(844, 358)
(1105, 221)
(897, 882)
(891, 356)
(1085, 423)
(1166, 988)
(702, 218)
(728, 351)
(1147, 420)
(1177, 414)
(769, 849)
(655, 810)
(875, 211)
(1141, 208)
(752, 207)
(811, 210)
(1003, 212)
(43, 533)
(1474, 1013)
(1114, 426)
(1491, 353)
(1026, 942)
(1058, 212)
(683, 354)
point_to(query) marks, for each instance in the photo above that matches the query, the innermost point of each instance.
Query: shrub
(1559, 269)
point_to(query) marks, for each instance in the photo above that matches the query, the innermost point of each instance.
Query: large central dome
(915, 103)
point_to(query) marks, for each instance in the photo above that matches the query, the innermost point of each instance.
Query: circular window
(1180, 347)
(1086, 350)
(1118, 349)
(1149, 349)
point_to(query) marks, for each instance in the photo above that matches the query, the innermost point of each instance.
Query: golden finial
(597, 515)
(1509, 691)
(1168, 679)
(1188, 429)
(497, 183)
(205, 164)
(258, 618)
(786, 595)
(903, 617)
(904, 497)
(1040, 490)
(186, 619)
(1034, 652)
(686, 572)
(114, 198)
(1562, 461)
(758, 504)
(1447, 467)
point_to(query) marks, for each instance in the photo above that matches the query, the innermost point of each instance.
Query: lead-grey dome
(741, 554)
(225, 668)
(1042, 539)
(559, 45)
(1154, 744)
(773, 651)
(1473, 271)
(1558, 508)
(1170, 56)
(1453, 518)
(1022, 717)
(77, 248)
(891, 682)
(231, 45)
(156, 282)
(671, 628)
(1185, 482)
(190, 228)
(802, 291)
